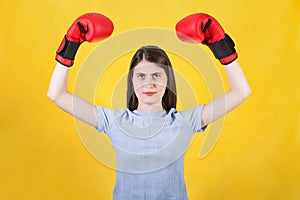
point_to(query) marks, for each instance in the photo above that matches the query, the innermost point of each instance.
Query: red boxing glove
(203, 28)
(91, 27)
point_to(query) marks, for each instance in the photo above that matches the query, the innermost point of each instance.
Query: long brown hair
(158, 56)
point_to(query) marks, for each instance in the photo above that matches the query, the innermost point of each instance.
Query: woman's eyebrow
(150, 74)
(156, 73)
(140, 73)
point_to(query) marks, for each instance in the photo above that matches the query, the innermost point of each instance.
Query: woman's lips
(149, 93)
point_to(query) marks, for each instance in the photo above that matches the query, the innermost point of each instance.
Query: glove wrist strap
(223, 48)
(68, 49)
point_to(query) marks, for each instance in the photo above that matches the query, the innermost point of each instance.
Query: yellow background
(257, 156)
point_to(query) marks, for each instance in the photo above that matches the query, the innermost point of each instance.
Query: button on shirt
(150, 150)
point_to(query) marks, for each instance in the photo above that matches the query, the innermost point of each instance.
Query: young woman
(150, 136)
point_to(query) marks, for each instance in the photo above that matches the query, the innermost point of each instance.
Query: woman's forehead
(147, 67)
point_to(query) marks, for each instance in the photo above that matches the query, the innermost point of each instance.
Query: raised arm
(238, 92)
(89, 27)
(59, 94)
(203, 28)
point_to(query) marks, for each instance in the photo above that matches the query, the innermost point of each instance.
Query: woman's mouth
(149, 93)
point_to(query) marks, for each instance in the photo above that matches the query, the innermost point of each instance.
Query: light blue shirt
(150, 150)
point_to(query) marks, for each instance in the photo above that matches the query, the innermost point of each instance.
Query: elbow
(60, 99)
(51, 96)
(245, 94)
(240, 96)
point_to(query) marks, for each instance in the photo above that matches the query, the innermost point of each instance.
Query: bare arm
(60, 95)
(239, 91)
(91, 27)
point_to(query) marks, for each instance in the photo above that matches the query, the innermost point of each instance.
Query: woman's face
(149, 82)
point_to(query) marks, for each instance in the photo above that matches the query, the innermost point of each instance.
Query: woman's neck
(150, 108)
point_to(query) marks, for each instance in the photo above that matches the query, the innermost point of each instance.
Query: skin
(149, 81)
(239, 90)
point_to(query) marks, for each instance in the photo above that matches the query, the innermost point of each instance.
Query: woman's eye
(155, 76)
(141, 76)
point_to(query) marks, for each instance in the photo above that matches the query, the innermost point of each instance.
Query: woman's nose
(150, 85)
(149, 80)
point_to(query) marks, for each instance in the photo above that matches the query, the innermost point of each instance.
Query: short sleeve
(193, 117)
(104, 117)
